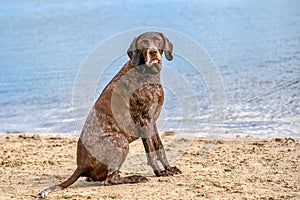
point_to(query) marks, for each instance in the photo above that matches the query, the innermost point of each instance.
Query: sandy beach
(221, 169)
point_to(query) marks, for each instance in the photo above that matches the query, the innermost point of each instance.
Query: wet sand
(229, 169)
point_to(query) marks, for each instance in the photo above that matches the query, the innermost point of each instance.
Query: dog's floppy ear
(133, 53)
(168, 48)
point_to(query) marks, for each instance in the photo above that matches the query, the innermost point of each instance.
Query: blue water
(254, 44)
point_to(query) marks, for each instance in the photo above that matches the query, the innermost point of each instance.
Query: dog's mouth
(152, 67)
(153, 61)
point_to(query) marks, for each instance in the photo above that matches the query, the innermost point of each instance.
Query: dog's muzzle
(152, 62)
(152, 57)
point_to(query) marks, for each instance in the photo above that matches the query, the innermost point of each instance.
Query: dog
(126, 110)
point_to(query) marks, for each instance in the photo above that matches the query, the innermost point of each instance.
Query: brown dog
(126, 110)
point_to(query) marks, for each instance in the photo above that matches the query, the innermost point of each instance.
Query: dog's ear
(168, 47)
(133, 53)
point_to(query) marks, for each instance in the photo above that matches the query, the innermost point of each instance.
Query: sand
(222, 169)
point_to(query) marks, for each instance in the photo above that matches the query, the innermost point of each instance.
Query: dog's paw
(126, 180)
(163, 173)
(139, 179)
(169, 171)
(174, 170)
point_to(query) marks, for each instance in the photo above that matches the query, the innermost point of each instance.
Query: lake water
(254, 44)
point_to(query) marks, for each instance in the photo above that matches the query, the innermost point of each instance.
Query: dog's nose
(152, 51)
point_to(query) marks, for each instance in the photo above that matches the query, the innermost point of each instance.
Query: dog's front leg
(147, 134)
(160, 151)
(151, 155)
(155, 151)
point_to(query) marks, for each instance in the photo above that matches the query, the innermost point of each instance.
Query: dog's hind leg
(114, 178)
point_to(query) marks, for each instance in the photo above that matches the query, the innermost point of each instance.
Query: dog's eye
(157, 41)
(144, 43)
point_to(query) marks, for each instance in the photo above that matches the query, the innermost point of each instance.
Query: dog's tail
(67, 183)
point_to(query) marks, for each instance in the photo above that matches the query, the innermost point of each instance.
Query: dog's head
(145, 51)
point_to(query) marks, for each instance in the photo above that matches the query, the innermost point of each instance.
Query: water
(255, 45)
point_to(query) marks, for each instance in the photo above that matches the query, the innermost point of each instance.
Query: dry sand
(230, 169)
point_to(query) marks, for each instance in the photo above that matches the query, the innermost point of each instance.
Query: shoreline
(223, 136)
(230, 169)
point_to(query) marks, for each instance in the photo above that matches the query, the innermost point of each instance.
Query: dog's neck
(139, 72)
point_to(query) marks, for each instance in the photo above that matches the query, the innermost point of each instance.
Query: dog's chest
(130, 99)
(147, 95)
(145, 103)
